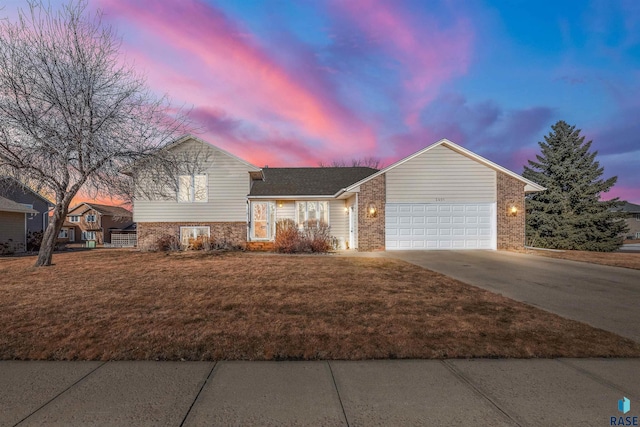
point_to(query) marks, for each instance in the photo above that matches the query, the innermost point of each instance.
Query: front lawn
(614, 259)
(122, 304)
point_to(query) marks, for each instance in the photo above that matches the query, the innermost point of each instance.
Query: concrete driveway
(602, 296)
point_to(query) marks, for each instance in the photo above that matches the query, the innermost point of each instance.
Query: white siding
(228, 185)
(286, 211)
(441, 175)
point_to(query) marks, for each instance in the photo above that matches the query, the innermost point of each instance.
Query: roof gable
(26, 189)
(108, 210)
(530, 186)
(187, 138)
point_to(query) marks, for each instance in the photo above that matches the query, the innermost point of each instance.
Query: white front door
(440, 226)
(352, 228)
(262, 220)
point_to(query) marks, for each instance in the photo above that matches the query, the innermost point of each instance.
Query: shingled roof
(7, 205)
(630, 207)
(307, 181)
(116, 211)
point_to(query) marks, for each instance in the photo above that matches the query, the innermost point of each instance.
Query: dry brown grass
(120, 304)
(615, 259)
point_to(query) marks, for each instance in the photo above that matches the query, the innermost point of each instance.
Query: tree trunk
(51, 233)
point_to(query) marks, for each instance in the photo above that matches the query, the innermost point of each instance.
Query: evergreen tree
(570, 214)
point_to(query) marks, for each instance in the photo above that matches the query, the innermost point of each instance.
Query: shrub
(6, 248)
(200, 243)
(314, 237)
(317, 237)
(288, 239)
(34, 240)
(168, 243)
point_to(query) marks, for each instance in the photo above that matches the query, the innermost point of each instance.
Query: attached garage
(440, 226)
(443, 197)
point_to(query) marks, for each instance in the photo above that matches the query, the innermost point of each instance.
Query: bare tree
(72, 114)
(368, 162)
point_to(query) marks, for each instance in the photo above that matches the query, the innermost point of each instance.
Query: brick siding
(371, 236)
(510, 228)
(232, 232)
(260, 246)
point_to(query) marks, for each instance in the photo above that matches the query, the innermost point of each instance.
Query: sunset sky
(294, 83)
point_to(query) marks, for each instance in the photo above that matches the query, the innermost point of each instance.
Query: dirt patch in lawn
(121, 304)
(615, 259)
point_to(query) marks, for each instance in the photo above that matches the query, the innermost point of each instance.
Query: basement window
(187, 233)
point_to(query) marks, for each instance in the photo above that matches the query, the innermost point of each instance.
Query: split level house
(95, 222)
(441, 197)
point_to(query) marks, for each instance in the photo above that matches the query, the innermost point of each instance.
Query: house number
(439, 199)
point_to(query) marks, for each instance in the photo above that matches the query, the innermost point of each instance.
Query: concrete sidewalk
(557, 392)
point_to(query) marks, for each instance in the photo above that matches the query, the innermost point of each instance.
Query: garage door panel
(440, 226)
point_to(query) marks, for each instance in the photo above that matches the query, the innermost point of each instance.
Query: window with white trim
(74, 218)
(192, 188)
(317, 212)
(88, 235)
(188, 233)
(91, 218)
(64, 234)
(638, 235)
(637, 216)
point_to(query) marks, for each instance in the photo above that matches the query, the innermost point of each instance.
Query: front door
(352, 228)
(72, 234)
(262, 224)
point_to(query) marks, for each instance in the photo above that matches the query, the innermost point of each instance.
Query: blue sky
(293, 83)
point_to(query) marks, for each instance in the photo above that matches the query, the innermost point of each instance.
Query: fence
(128, 240)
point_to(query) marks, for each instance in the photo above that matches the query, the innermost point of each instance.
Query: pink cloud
(235, 72)
(430, 55)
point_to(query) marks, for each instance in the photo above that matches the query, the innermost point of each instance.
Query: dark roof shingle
(307, 181)
(116, 211)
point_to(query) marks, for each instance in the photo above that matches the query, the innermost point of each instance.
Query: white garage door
(440, 226)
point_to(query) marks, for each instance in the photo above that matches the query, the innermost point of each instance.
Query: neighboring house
(13, 225)
(633, 219)
(20, 193)
(91, 221)
(442, 197)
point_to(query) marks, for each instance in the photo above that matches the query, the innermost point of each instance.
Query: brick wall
(371, 228)
(510, 228)
(150, 232)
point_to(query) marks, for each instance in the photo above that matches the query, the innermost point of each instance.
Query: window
(91, 218)
(88, 235)
(64, 234)
(187, 233)
(74, 218)
(637, 216)
(312, 211)
(192, 188)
